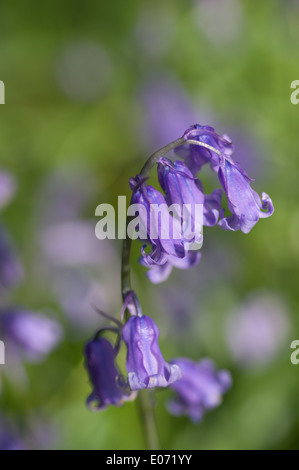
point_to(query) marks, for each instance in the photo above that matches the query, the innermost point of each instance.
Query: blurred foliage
(239, 78)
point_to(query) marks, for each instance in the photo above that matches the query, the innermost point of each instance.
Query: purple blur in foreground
(258, 329)
(145, 364)
(104, 376)
(26, 432)
(33, 335)
(10, 442)
(200, 388)
(11, 270)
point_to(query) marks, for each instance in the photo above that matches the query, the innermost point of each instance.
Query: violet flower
(200, 388)
(156, 225)
(195, 156)
(160, 273)
(169, 247)
(244, 203)
(183, 189)
(33, 335)
(145, 364)
(107, 387)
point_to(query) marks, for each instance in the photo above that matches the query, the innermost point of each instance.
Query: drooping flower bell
(156, 226)
(187, 202)
(244, 203)
(196, 156)
(145, 364)
(171, 236)
(160, 273)
(108, 388)
(200, 388)
(183, 189)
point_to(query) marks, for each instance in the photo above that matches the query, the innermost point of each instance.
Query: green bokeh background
(243, 81)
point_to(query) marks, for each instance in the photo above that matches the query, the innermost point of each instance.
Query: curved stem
(202, 144)
(152, 160)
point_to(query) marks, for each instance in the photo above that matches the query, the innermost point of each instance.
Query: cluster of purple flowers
(182, 187)
(145, 364)
(197, 385)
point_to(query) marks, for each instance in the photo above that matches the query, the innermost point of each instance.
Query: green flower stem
(145, 397)
(125, 265)
(146, 405)
(145, 171)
